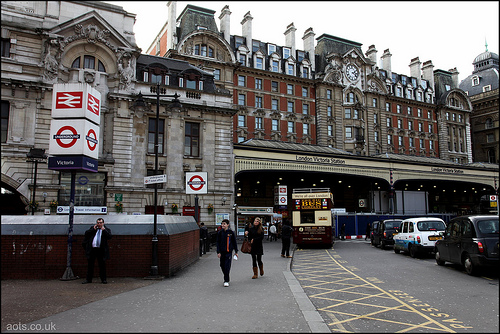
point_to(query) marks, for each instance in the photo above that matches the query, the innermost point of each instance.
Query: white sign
(362, 203)
(493, 198)
(155, 179)
(83, 209)
(76, 100)
(74, 137)
(196, 183)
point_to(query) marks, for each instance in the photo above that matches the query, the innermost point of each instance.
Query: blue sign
(79, 162)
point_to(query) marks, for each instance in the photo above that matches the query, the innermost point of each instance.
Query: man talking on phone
(95, 244)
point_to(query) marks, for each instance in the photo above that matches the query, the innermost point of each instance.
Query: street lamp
(139, 107)
(35, 155)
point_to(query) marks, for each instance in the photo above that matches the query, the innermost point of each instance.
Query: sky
(449, 33)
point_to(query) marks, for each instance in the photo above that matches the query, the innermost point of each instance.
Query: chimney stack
(428, 73)
(290, 38)
(386, 63)
(309, 46)
(225, 20)
(454, 77)
(415, 69)
(247, 30)
(171, 25)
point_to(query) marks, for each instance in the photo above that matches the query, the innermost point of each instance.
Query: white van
(418, 235)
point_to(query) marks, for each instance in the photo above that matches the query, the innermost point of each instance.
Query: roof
(260, 143)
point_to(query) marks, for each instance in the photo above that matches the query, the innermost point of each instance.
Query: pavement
(193, 300)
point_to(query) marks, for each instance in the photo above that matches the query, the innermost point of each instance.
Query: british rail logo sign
(76, 100)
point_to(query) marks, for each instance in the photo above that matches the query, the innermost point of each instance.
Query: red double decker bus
(312, 219)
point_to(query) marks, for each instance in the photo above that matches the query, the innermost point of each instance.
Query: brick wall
(45, 256)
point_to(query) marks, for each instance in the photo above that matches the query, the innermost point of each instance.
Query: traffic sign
(196, 183)
(74, 137)
(155, 179)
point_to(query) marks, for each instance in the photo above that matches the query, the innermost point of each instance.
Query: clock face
(351, 72)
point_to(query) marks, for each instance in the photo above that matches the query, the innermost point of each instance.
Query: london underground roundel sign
(196, 183)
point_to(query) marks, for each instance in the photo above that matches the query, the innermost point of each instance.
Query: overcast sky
(449, 33)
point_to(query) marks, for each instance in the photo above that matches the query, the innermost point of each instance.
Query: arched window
(88, 62)
(489, 123)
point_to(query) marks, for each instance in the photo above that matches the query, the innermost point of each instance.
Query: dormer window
(286, 53)
(270, 49)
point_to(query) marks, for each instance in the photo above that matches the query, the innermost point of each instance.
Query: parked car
(374, 230)
(471, 241)
(385, 232)
(418, 235)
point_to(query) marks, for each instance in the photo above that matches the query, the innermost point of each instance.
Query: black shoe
(104, 282)
(86, 282)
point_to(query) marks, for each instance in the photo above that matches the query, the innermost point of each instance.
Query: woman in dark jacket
(255, 236)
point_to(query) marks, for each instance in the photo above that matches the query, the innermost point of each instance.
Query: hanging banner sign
(76, 100)
(74, 137)
(196, 183)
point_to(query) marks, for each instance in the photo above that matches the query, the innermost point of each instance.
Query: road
(359, 288)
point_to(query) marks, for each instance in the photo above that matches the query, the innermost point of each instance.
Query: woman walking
(255, 236)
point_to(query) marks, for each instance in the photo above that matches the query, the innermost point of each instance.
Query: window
(274, 86)
(151, 135)
(259, 63)
(258, 102)
(89, 194)
(422, 143)
(330, 130)
(286, 53)
(409, 110)
(400, 140)
(387, 107)
(274, 66)
(355, 114)
(259, 123)
(350, 98)
(490, 138)
(305, 109)
(192, 139)
(388, 122)
(238, 41)
(410, 125)
(241, 139)
(291, 127)
(305, 129)
(5, 120)
(374, 103)
(289, 69)
(89, 63)
(348, 132)
(305, 72)
(430, 128)
(376, 136)
(389, 139)
(241, 99)
(241, 80)
(398, 91)
(412, 144)
(258, 84)
(241, 121)
(419, 96)
(420, 127)
(217, 74)
(329, 111)
(270, 49)
(419, 112)
(375, 118)
(429, 115)
(489, 123)
(304, 91)
(400, 123)
(431, 145)
(329, 94)
(289, 89)
(409, 94)
(243, 59)
(290, 106)
(398, 108)
(274, 104)
(274, 125)
(475, 80)
(5, 48)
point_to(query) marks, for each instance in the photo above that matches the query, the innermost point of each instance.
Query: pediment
(93, 28)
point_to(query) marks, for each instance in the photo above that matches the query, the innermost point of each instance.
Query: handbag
(246, 247)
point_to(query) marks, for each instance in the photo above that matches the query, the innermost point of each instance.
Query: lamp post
(140, 105)
(35, 155)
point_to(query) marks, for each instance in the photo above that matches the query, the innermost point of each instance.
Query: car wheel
(470, 268)
(438, 259)
(412, 250)
(396, 250)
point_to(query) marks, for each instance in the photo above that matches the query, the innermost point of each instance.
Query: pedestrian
(256, 236)
(286, 234)
(272, 230)
(226, 243)
(342, 232)
(96, 246)
(368, 230)
(204, 238)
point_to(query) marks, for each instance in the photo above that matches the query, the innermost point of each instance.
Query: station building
(254, 115)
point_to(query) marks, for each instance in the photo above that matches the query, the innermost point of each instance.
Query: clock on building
(351, 72)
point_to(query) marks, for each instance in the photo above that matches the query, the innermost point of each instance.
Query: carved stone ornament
(51, 59)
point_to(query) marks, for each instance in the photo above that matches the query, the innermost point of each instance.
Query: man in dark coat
(286, 234)
(96, 246)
